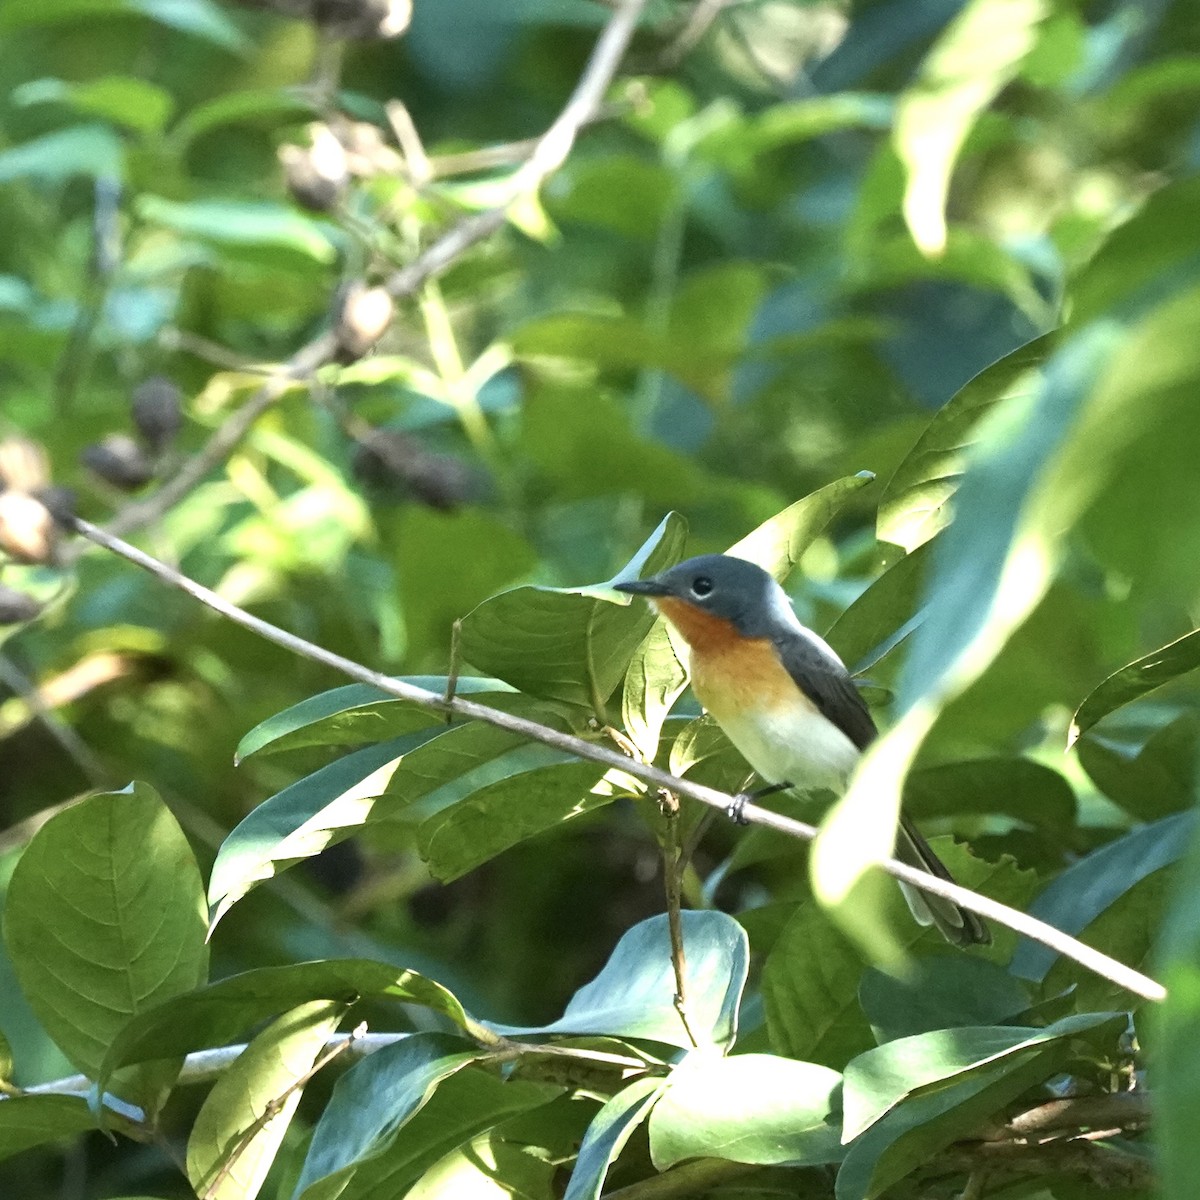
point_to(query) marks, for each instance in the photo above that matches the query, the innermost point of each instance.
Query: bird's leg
(736, 811)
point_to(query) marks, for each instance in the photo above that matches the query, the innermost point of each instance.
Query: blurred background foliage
(716, 307)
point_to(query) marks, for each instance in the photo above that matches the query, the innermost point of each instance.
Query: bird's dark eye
(701, 585)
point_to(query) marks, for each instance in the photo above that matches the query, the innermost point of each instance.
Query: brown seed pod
(362, 315)
(16, 607)
(27, 530)
(398, 462)
(157, 411)
(119, 460)
(24, 466)
(316, 174)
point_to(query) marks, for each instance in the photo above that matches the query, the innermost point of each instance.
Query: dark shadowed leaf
(1028, 791)
(1088, 887)
(27, 1121)
(751, 1108)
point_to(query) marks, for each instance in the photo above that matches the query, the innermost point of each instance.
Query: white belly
(798, 746)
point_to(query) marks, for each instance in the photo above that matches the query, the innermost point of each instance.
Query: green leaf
(202, 18)
(778, 544)
(121, 99)
(633, 996)
(1137, 679)
(358, 713)
(28, 1121)
(883, 615)
(1088, 887)
(1177, 1081)
(494, 817)
(945, 1108)
(607, 1135)
(220, 1013)
(242, 1122)
(317, 811)
(877, 1080)
(465, 1104)
(242, 223)
(105, 919)
(943, 991)
(569, 644)
(976, 55)
(91, 150)
(654, 681)
(276, 106)
(372, 1102)
(751, 1108)
(1158, 780)
(915, 501)
(1019, 788)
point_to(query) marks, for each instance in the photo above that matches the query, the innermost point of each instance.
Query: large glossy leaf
(634, 994)
(465, 1104)
(976, 55)
(105, 919)
(954, 1104)
(244, 1118)
(315, 812)
(220, 1013)
(607, 1135)
(569, 644)
(1087, 888)
(1136, 679)
(915, 501)
(359, 713)
(370, 1105)
(751, 1108)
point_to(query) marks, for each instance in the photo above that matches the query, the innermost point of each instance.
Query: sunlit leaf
(751, 1108)
(976, 55)
(1136, 679)
(244, 1118)
(634, 994)
(91, 150)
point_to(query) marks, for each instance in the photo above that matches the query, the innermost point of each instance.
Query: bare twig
(1124, 1110)
(1022, 923)
(672, 858)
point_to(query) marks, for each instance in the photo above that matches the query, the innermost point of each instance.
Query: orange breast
(731, 674)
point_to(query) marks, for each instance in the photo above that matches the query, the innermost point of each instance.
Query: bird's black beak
(643, 587)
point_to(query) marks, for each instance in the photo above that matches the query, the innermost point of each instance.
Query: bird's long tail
(956, 924)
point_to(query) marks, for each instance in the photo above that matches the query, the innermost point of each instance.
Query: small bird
(783, 698)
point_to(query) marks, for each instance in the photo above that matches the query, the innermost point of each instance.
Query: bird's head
(718, 586)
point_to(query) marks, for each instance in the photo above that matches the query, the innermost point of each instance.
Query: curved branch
(1022, 923)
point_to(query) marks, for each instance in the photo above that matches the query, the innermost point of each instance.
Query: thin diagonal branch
(1022, 923)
